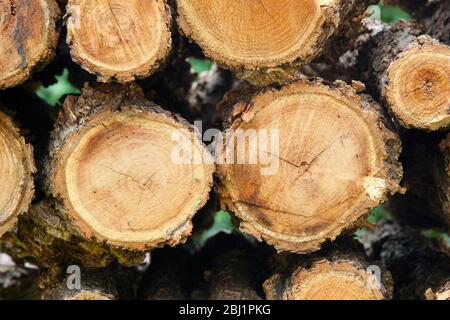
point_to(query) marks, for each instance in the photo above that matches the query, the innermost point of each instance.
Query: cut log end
(329, 280)
(113, 169)
(119, 40)
(120, 182)
(29, 36)
(342, 280)
(260, 34)
(418, 90)
(331, 159)
(16, 171)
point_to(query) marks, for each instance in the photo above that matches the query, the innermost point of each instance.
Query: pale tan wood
(119, 40)
(343, 280)
(29, 34)
(265, 40)
(337, 275)
(417, 85)
(337, 159)
(407, 70)
(418, 89)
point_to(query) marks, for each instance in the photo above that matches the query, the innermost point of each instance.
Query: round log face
(255, 33)
(342, 280)
(120, 183)
(328, 171)
(119, 40)
(28, 37)
(418, 90)
(16, 169)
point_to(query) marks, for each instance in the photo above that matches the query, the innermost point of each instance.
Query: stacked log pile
(321, 115)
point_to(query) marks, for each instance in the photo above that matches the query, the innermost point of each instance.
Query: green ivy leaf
(53, 93)
(222, 223)
(200, 65)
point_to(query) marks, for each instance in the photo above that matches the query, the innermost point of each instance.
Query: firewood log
(320, 158)
(29, 34)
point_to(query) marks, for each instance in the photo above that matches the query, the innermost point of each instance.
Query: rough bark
(433, 14)
(437, 23)
(194, 97)
(337, 154)
(167, 278)
(426, 159)
(208, 91)
(119, 40)
(17, 169)
(234, 276)
(236, 270)
(48, 241)
(169, 86)
(410, 72)
(339, 273)
(246, 37)
(29, 32)
(418, 271)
